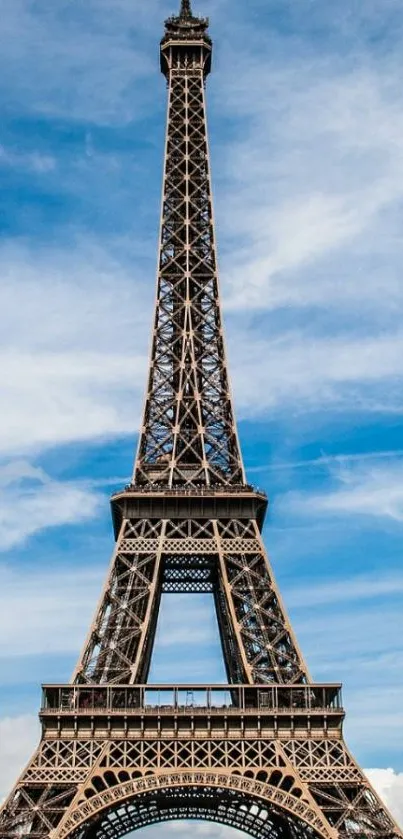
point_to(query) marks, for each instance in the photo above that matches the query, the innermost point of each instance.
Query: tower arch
(264, 810)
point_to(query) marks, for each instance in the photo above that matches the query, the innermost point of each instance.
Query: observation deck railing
(192, 699)
(196, 489)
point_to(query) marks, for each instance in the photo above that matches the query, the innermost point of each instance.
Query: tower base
(267, 759)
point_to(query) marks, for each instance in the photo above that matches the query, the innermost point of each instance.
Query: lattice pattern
(353, 809)
(236, 529)
(194, 753)
(35, 811)
(287, 801)
(189, 529)
(189, 574)
(226, 807)
(63, 760)
(281, 773)
(188, 435)
(319, 759)
(223, 557)
(254, 620)
(119, 644)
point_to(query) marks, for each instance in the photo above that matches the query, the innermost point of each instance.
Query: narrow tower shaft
(188, 436)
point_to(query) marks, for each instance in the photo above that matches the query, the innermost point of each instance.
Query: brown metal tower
(264, 753)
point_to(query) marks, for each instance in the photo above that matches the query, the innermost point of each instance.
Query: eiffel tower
(264, 753)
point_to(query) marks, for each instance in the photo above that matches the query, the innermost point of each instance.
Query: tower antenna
(186, 9)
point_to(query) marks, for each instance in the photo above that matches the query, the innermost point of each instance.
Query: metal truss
(189, 434)
(226, 557)
(277, 769)
(269, 758)
(225, 806)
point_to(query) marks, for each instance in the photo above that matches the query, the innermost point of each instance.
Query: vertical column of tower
(260, 646)
(188, 436)
(119, 643)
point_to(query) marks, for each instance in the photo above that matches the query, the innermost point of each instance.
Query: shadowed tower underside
(264, 753)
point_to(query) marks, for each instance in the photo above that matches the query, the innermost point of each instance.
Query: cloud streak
(69, 365)
(315, 373)
(361, 490)
(107, 58)
(316, 166)
(389, 785)
(30, 501)
(356, 589)
(44, 611)
(19, 737)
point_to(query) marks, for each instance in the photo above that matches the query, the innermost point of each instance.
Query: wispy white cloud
(360, 647)
(389, 785)
(368, 712)
(310, 208)
(33, 161)
(45, 611)
(326, 461)
(316, 372)
(187, 646)
(107, 57)
(57, 605)
(355, 589)
(363, 490)
(204, 830)
(30, 501)
(19, 736)
(68, 356)
(181, 612)
(366, 634)
(315, 166)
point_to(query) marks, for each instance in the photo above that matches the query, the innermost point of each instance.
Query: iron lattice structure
(265, 753)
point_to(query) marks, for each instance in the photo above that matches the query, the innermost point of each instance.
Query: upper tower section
(188, 436)
(186, 42)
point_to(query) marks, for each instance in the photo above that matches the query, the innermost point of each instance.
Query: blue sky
(306, 125)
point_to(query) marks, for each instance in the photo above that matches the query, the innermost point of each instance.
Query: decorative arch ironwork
(267, 805)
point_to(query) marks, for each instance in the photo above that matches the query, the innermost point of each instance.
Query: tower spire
(186, 9)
